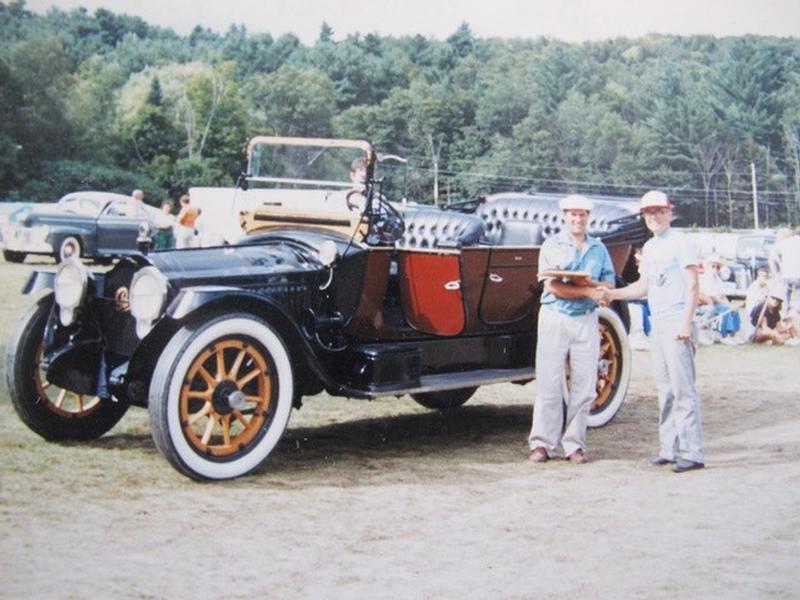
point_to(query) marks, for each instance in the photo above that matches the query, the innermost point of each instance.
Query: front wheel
(70, 247)
(54, 413)
(221, 396)
(613, 369)
(13, 256)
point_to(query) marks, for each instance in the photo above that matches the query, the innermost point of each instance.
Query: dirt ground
(385, 499)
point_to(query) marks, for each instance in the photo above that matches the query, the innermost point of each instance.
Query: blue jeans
(730, 322)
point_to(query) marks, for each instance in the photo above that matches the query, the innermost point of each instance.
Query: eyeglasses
(654, 212)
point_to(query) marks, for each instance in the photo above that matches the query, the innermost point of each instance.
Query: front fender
(192, 299)
(196, 303)
(40, 280)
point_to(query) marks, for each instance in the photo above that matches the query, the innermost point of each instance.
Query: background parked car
(85, 224)
(9, 213)
(752, 251)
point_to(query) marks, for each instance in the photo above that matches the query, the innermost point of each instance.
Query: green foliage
(107, 99)
(197, 171)
(60, 177)
(291, 102)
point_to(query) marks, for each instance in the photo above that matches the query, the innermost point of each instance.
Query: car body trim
(446, 381)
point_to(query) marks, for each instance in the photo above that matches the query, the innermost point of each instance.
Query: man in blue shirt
(669, 279)
(568, 331)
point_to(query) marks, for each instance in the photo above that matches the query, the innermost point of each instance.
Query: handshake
(601, 294)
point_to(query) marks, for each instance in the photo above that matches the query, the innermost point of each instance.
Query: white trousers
(680, 428)
(561, 338)
(185, 237)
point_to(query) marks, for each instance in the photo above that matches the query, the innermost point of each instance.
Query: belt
(569, 313)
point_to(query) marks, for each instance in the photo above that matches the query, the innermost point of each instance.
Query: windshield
(754, 245)
(295, 162)
(89, 207)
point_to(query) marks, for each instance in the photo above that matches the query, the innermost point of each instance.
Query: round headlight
(148, 295)
(72, 280)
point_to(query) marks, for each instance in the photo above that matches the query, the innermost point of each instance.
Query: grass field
(385, 499)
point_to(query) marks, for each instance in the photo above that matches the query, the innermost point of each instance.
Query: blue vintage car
(80, 224)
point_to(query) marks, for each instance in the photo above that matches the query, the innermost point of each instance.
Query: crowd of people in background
(770, 312)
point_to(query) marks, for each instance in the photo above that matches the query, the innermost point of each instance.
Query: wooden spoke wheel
(52, 412)
(62, 402)
(221, 396)
(613, 369)
(226, 398)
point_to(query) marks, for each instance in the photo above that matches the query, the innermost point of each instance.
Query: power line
(532, 181)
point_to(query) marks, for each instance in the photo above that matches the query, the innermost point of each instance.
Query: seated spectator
(712, 295)
(757, 291)
(768, 324)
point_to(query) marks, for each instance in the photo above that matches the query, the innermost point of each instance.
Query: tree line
(108, 101)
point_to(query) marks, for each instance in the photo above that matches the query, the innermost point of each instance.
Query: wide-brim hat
(575, 202)
(777, 292)
(655, 199)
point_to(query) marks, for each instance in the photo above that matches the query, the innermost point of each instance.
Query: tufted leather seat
(506, 215)
(433, 228)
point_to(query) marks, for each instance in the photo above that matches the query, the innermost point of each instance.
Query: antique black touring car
(337, 286)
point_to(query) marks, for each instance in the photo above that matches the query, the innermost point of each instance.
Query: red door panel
(511, 290)
(430, 288)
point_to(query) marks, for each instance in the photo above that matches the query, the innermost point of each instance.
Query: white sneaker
(729, 341)
(792, 342)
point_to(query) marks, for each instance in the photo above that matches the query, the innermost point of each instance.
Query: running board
(447, 381)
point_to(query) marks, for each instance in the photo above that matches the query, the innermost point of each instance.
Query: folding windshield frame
(366, 147)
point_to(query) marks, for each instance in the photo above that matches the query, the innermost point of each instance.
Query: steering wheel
(386, 225)
(356, 205)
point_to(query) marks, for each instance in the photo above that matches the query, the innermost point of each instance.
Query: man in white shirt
(669, 280)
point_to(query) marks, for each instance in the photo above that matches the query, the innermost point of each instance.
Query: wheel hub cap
(228, 397)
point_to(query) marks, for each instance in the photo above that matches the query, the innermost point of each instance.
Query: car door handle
(494, 278)
(453, 285)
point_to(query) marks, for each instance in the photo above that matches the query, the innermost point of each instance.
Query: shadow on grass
(467, 438)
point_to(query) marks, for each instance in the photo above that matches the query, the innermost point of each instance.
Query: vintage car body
(331, 289)
(88, 224)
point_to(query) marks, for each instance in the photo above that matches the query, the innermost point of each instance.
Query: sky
(568, 20)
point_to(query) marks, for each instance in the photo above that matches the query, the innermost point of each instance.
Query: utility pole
(435, 150)
(755, 194)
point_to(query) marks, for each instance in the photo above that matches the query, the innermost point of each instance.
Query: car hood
(232, 264)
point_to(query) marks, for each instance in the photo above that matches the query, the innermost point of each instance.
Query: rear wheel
(221, 397)
(54, 413)
(613, 369)
(446, 399)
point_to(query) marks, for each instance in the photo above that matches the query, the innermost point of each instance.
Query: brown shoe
(538, 455)
(577, 457)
